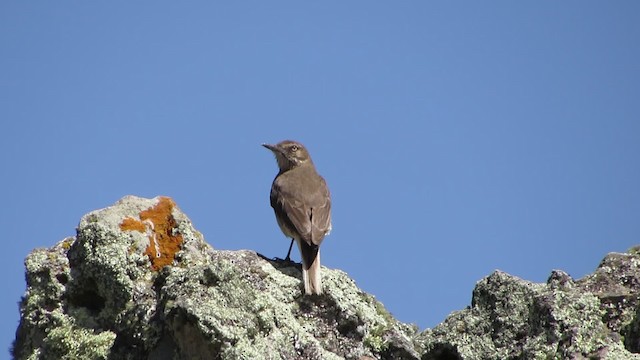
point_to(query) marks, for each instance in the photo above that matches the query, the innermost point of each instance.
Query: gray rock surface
(139, 282)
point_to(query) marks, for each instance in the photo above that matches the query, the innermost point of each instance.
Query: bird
(301, 201)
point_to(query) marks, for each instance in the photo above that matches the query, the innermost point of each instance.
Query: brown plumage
(301, 201)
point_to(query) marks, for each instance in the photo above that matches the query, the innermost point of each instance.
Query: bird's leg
(288, 258)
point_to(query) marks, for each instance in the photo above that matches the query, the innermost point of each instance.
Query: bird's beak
(273, 148)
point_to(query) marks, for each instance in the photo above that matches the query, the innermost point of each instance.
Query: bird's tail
(311, 269)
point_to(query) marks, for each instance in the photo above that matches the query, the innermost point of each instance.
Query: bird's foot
(286, 260)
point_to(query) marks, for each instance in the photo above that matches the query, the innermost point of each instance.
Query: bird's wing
(321, 214)
(292, 212)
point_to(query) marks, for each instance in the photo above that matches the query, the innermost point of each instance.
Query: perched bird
(301, 201)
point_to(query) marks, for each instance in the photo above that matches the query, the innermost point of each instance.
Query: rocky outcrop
(509, 318)
(139, 282)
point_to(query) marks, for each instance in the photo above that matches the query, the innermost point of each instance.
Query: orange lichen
(160, 225)
(132, 224)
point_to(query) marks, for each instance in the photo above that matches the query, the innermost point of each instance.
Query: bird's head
(289, 154)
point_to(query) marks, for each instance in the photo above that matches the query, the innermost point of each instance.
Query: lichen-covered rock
(509, 318)
(139, 282)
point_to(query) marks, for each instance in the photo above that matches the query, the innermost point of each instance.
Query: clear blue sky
(456, 137)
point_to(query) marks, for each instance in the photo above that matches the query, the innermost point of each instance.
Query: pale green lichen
(77, 343)
(375, 339)
(252, 321)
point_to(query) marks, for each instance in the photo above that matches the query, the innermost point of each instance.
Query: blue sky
(456, 137)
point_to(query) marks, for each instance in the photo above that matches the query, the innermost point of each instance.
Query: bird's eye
(294, 148)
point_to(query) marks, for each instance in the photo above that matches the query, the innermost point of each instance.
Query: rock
(139, 282)
(510, 318)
